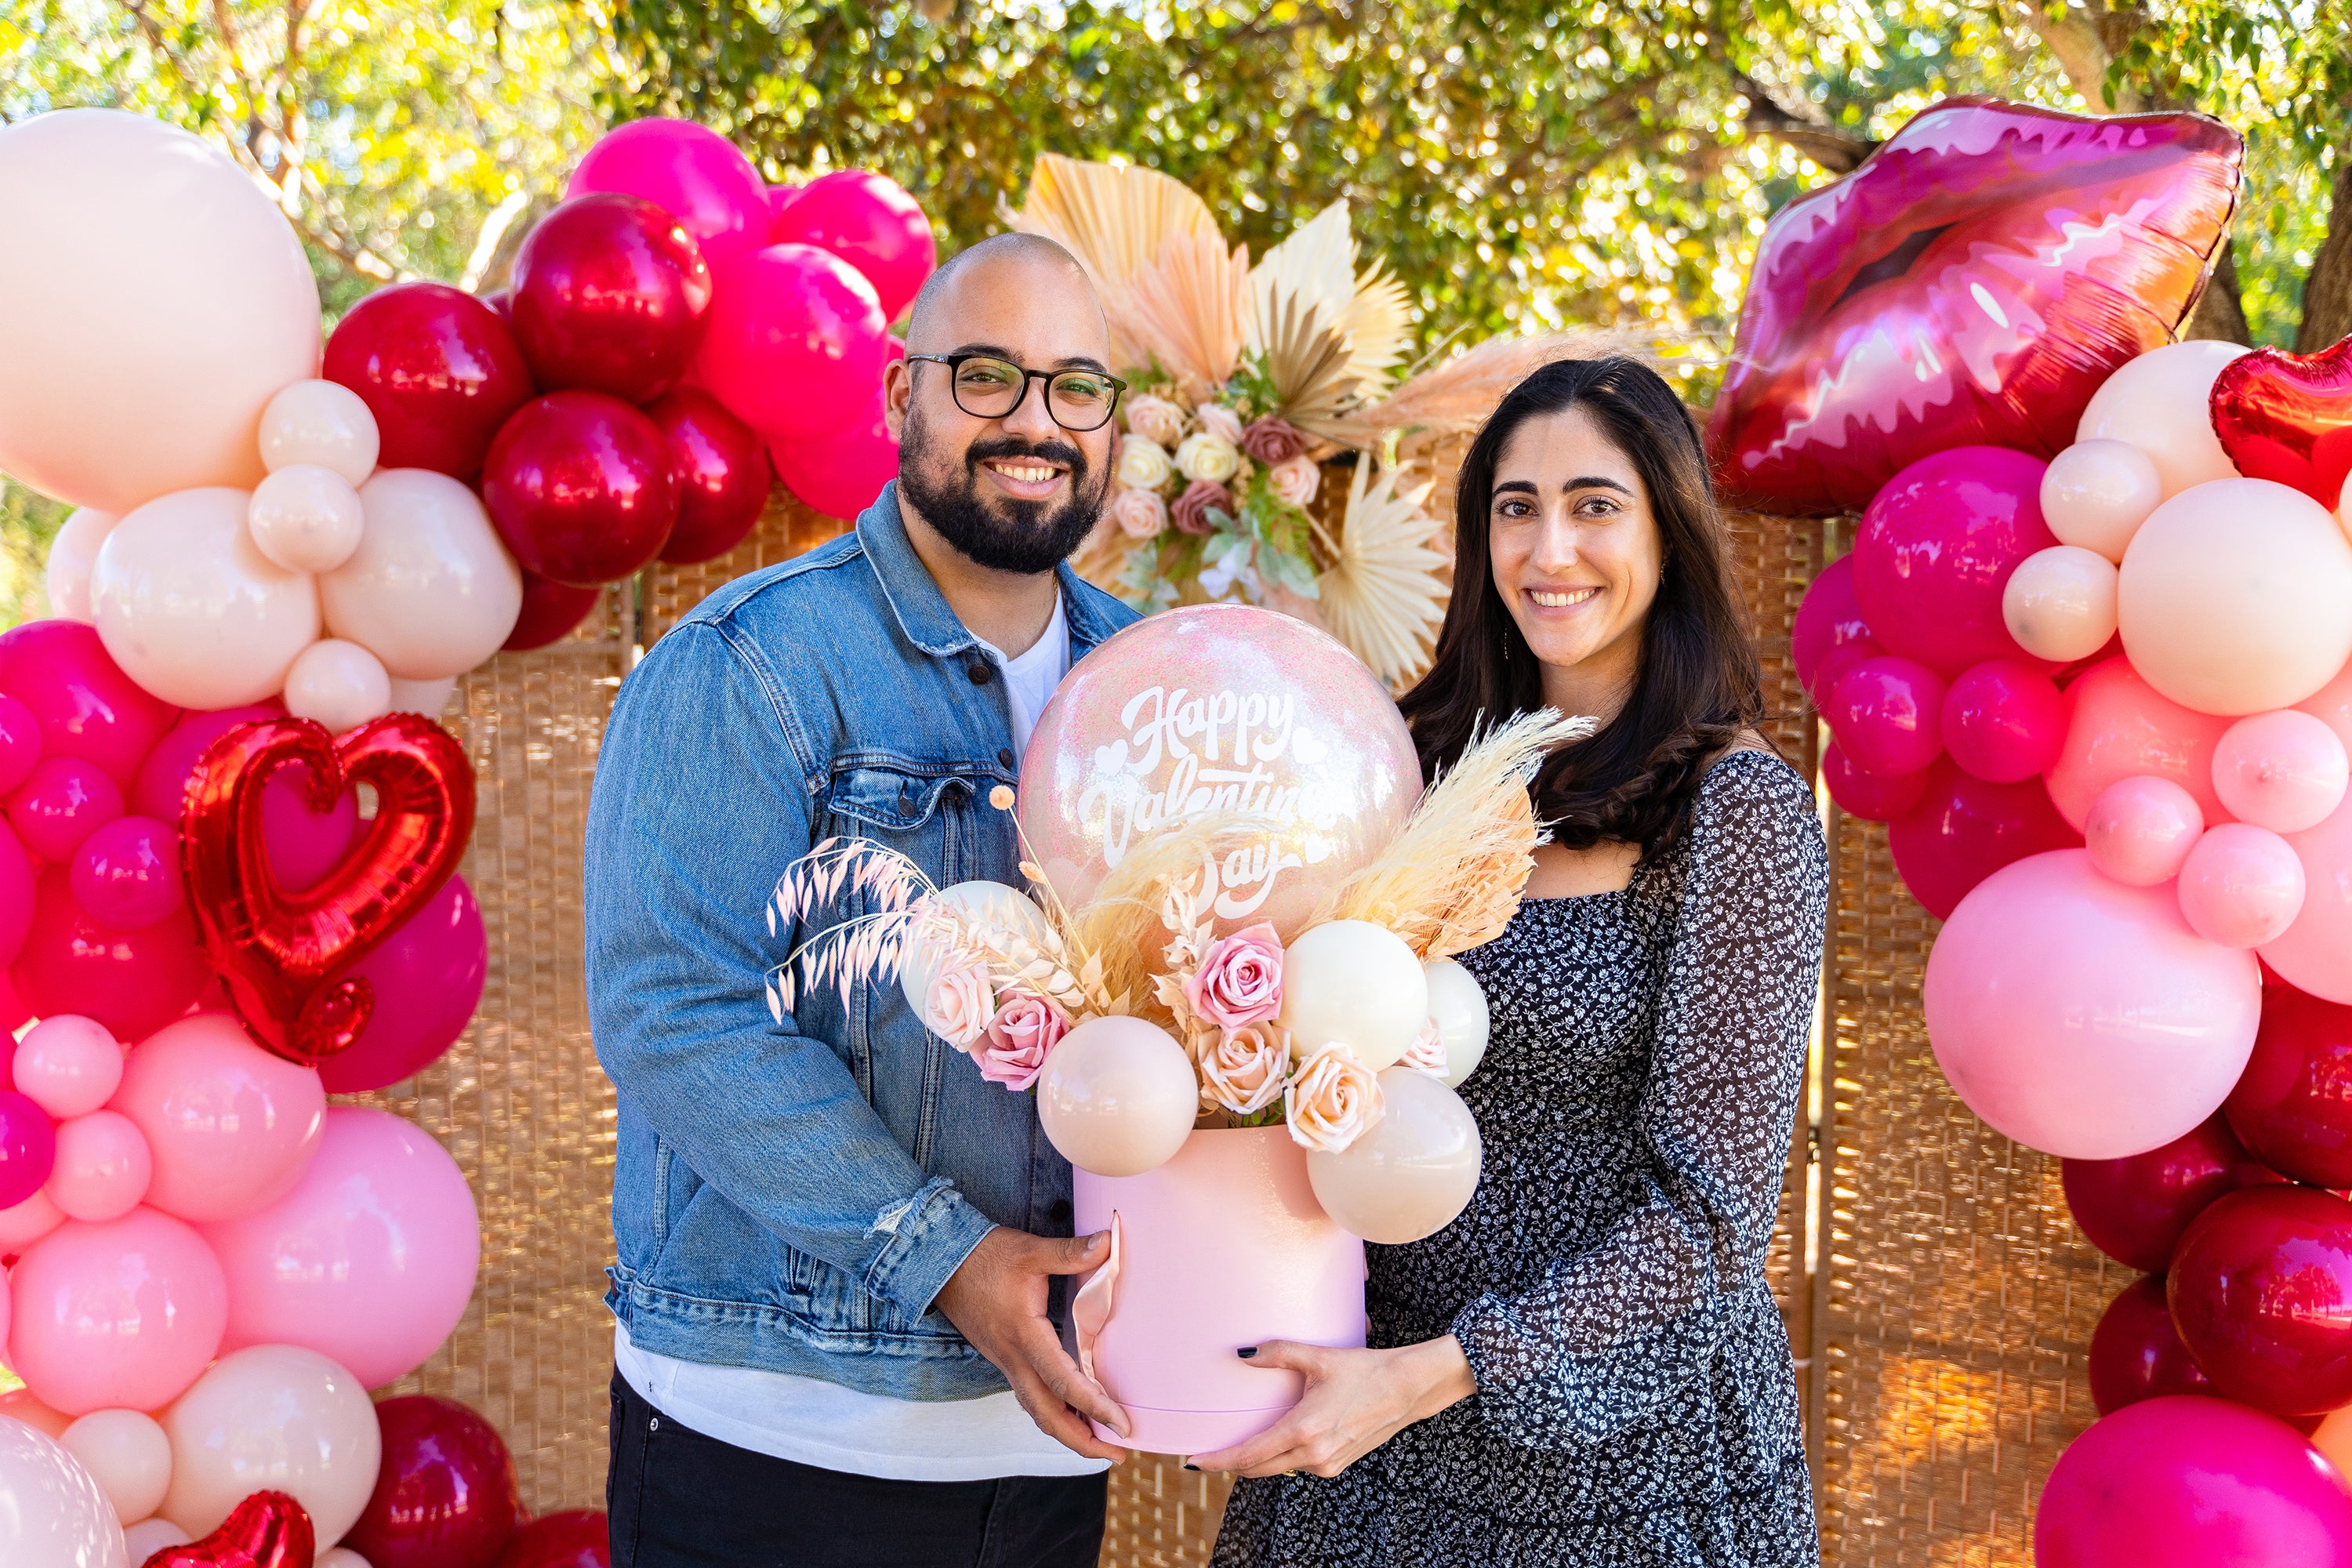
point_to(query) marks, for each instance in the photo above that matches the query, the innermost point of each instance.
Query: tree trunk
(2220, 313)
(2327, 291)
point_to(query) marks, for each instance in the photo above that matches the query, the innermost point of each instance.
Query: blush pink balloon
(840, 473)
(2082, 1018)
(1874, 797)
(2241, 886)
(24, 1222)
(303, 845)
(104, 1166)
(65, 800)
(126, 874)
(133, 982)
(2003, 720)
(68, 1066)
(122, 1314)
(369, 1260)
(794, 341)
(2118, 727)
(232, 1126)
(2284, 771)
(1963, 830)
(869, 221)
(2141, 830)
(1887, 714)
(428, 977)
(2314, 954)
(689, 171)
(1936, 548)
(1829, 633)
(85, 705)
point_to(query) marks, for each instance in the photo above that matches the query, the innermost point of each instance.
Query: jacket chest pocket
(926, 817)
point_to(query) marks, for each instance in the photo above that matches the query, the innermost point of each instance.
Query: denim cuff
(929, 1237)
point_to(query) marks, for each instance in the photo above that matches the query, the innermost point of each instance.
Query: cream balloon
(1411, 1174)
(991, 902)
(190, 608)
(274, 1417)
(430, 591)
(425, 697)
(2158, 403)
(305, 518)
(65, 577)
(128, 1454)
(322, 422)
(2097, 493)
(1117, 1097)
(52, 1512)
(340, 1557)
(150, 1536)
(1353, 983)
(1457, 1005)
(156, 299)
(2236, 596)
(2060, 603)
(338, 683)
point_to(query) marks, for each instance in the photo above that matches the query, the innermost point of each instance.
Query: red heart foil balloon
(267, 1529)
(285, 955)
(2288, 417)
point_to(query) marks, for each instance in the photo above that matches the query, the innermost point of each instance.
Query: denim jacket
(791, 1195)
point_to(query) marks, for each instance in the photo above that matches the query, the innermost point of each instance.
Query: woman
(1587, 1367)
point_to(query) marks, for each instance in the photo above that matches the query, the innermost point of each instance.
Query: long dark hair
(1697, 689)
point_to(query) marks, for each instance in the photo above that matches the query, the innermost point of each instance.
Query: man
(838, 1245)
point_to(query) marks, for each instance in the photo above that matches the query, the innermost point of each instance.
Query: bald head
(1002, 268)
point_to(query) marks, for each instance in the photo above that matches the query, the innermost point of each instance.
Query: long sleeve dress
(1636, 1400)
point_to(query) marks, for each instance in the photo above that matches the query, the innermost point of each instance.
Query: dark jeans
(678, 1499)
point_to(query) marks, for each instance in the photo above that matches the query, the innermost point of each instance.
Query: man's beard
(1035, 537)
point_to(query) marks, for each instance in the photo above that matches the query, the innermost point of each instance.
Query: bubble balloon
(127, 1455)
(439, 370)
(794, 342)
(1117, 1097)
(2060, 603)
(1887, 714)
(2097, 493)
(608, 296)
(28, 1148)
(2136, 1354)
(2159, 402)
(870, 222)
(1829, 632)
(1874, 797)
(430, 591)
(2260, 1290)
(2118, 726)
(64, 575)
(122, 1314)
(445, 1494)
(2084, 1018)
(2240, 885)
(63, 803)
(1936, 548)
(60, 1517)
(68, 1066)
(133, 982)
(85, 705)
(232, 1126)
(2292, 1106)
(582, 488)
(322, 424)
(305, 518)
(1964, 829)
(2141, 830)
(550, 612)
(339, 684)
(1410, 1173)
(275, 1418)
(688, 171)
(722, 474)
(2286, 771)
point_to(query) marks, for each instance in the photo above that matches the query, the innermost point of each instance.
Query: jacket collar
(922, 610)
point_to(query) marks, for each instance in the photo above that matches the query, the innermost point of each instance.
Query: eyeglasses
(987, 387)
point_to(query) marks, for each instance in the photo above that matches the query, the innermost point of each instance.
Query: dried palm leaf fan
(1306, 359)
(1329, 336)
(1189, 306)
(1376, 595)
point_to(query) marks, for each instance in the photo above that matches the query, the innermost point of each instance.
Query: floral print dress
(1636, 1403)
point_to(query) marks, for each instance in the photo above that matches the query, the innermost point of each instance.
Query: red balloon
(840, 474)
(1829, 632)
(2134, 1353)
(1874, 798)
(2260, 1291)
(440, 370)
(722, 474)
(267, 1529)
(64, 801)
(870, 222)
(608, 296)
(427, 978)
(1964, 829)
(2293, 1105)
(2288, 417)
(1933, 298)
(582, 487)
(446, 1495)
(576, 1538)
(303, 845)
(2135, 1209)
(286, 955)
(133, 982)
(794, 343)
(85, 707)
(550, 611)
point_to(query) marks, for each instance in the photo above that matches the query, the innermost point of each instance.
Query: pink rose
(959, 1004)
(1220, 422)
(1239, 982)
(1013, 1047)
(1334, 1100)
(1270, 440)
(1294, 480)
(1247, 1067)
(1156, 419)
(1427, 1053)
(1191, 512)
(1140, 514)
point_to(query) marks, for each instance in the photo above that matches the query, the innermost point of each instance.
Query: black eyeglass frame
(955, 363)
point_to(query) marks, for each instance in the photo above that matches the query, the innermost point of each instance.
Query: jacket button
(979, 670)
(1060, 1212)
(1005, 755)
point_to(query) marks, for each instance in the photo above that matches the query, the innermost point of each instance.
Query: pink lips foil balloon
(1971, 284)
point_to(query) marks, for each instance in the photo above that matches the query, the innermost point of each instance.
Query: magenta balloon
(2084, 1018)
(122, 1314)
(1874, 797)
(133, 982)
(20, 742)
(369, 1260)
(85, 707)
(126, 874)
(64, 802)
(16, 900)
(870, 222)
(429, 978)
(28, 1148)
(1963, 830)
(609, 295)
(688, 171)
(793, 342)
(1828, 625)
(1935, 549)
(2186, 1481)
(2260, 1290)
(1887, 713)
(778, 198)
(841, 473)
(2135, 1353)
(2134, 1208)
(231, 1126)
(2293, 1105)
(2004, 720)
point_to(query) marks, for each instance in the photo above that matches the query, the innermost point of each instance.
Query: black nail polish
(1191, 1465)
(1247, 1352)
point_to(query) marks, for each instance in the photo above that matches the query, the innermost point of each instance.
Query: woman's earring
(1507, 643)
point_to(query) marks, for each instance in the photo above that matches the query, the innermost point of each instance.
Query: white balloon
(190, 608)
(2097, 493)
(1457, 1005)
(126, 1452)
(53, 1513)
(320, 422)
(2159, 403)
(1117, 1097)
(338, 683)
(430, 591)
(992, 901)
(305, 518)
(150, 1536)
(1353, 983)
(425, 697)
(1412, 1172)
(72, 554)
(274, 1417)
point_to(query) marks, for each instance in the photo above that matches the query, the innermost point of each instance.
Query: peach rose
(1239, 982)
(1294, 480)
(1221, 422)
(1155, 419)
(1334, 1100)
(1140, 514)
(1246, 1068)
(959, 1004)
(1272, 440)
(1013, 1047)
(1427, 1052)
(1205, 454)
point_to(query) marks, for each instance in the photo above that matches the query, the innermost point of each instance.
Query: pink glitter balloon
(1935, 549)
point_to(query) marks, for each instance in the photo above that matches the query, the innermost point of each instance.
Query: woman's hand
(1355, 1401)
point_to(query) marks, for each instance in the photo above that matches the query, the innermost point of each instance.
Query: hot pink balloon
(1874, 797)
(2140, 830)
(2004, 720)
(2315, 952)
(429, 978)
(64, 802)
(840, 474)
(232, 1127)
(2084, 1018)
(20, 742)
(2241, 886)
(2188, 1482)
(689, 171)
(126, 874)
(1829, 632)
(1887, 713)
(28, 1148)
(85, 705)
(103, 1167)
(1963, 830)
(793, 345)
(2118, 726)
(2284, 770)
(68, 1066)
(303, 845)
(16, 897)
(869, 221)
(1936, 548)
(120, 1315)
(133, 982)
(369, 1260)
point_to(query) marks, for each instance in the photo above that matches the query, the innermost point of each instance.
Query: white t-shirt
(812, 1422)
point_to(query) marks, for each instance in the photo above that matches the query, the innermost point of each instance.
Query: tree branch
(2327, 290)
(1809, 134)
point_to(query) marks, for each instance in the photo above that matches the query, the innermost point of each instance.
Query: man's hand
(997, 1301)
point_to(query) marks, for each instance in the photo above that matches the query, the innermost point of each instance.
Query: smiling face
(1575, 554)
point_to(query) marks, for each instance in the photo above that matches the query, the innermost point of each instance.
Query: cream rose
(1239, 982)
(1140, 514)
(959, 1005)
(1246, 1069)
(1155, 419)
(1205, 456)
(1333, 1100)
(1013, 1047)
(1294, 480)
(1142, 463)
(1221, 422)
